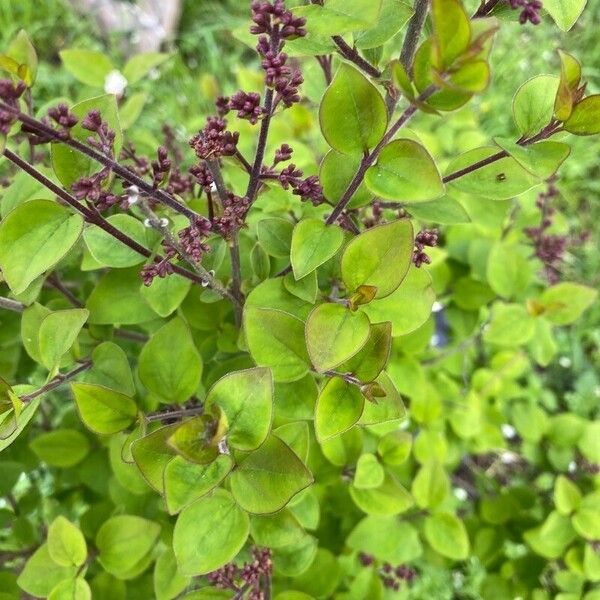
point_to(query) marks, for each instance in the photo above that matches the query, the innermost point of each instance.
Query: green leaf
(386, 538)
(166, 293)
(500, 180)
(511, 325)
(565, 12)
(533, 104)
(352, 114)
(430, 485)
(21, 50)
(447, 535)
(313, 243)
(197, 439)
(87, 66)
(296, 401)
(168, 581)
(369, 473)
(390, 498)
(451, 31)
(111, 369)
(567, 496)
(123, 541)
(409, 306)
(109, 251)
(340, 16)
(335, 334)
(508, 271)
(117, 299)
(552, 537)
(372, 358)
(394, 447)
(269, 478)
(103, 410)
(61, 448)
(542, 345)
(339, 407)
(139, 65)
(585, 118)
(170, 366)
(393, 16)
(385, 406)
(380, 257)
(66, 544)
(322, 577)
(71, 589)
(69, 164)
(185, 482)
(570, 78)
(131, 109)
(259, 260)
(276, 339)
(44, 232)
(151, 454)
(277, 530)
(209, 533)
(336, 172)
(41, 574)
(275, 236)
(406, 172)
(306, 288)
(445, 210)
(542, 159)
(565, 302)
(58, 332)
(246, 399)
(586, 520)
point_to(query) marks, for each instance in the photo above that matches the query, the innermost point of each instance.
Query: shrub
(304, 362)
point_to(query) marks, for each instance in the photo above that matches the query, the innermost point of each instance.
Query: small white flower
(148, 223)
(437, 306)
(213, 187)
(461, 494)
(509, 458)
(164, 222)
(133, 194)
(572, 467)
(564, 362)
(115, 83)
(508, 431)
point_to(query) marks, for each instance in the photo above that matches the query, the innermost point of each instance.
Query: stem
(413, 33)
(57, 381)
(550, 129)
(95, 218)
(174, 414)
(13, 305)
(123, 172)
(236, 278)
(55, 282)
(369, 159)
(325, 63)
(254, 181)
(352, 55)
(485, 9)
(207, 278)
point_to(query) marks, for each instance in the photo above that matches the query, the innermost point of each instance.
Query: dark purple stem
(127, 175)
(352, 55)
(57, 381)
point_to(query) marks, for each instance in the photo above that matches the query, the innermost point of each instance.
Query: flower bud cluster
(9, 94)
(427, 237)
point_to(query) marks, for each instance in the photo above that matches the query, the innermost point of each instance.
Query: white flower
(564, 362)
(115, 83)
(508, 431)
(461, 494)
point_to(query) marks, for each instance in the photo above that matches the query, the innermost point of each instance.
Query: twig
(174, 414)
(123, 172)
(325, 61)
(57, 381)
(13, 305)
(95, 218)
(352, 55)
(413, 33)
(54, 281)
(163, 228)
